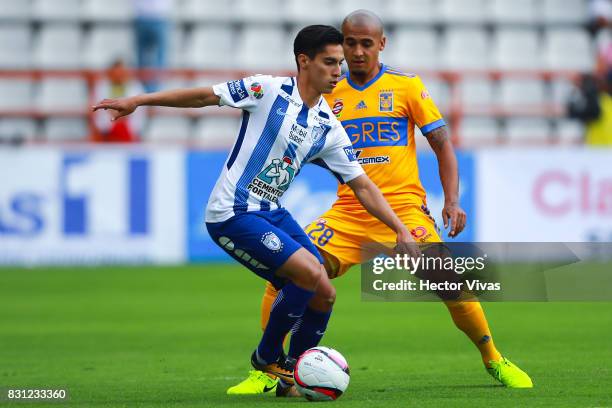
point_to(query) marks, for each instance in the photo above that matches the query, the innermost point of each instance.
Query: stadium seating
(177, 49)
(208, 47)
(413, 48)
(468, 37)
(56, 94)
(476, 93)
(422, 12)
(105, 44)
(569, 131)
(263, 47)
(11, 10)
(523, 94)
(560, 91)
(199, 11)
(568, 49)
(17, 129)
(466, 48)
(528, 131)
(64, 129)
(513, 12)
(302, 12)
(211, 131)
(564, 11)
(15, 46)
(107, 10)
(56, 10)
(16, 94)
(439, 91)
(262, 11)
(516, 48)
(347, 6)
(464, 11)
(58, 46)
(168, 129)
(476, 131)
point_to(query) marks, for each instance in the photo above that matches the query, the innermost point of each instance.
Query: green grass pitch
(179, 336)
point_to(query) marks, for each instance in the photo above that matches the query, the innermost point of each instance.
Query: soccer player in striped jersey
(379, 107)
(285, 124)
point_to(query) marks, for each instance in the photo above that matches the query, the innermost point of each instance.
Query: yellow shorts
(348, 237)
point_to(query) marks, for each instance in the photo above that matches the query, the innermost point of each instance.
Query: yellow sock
(470, 318)
(266, 304)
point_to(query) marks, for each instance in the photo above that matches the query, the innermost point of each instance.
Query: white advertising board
(98, 205)
(544, 195)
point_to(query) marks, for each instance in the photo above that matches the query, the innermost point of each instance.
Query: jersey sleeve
(246, 93)
(422, 109)
(338, 155)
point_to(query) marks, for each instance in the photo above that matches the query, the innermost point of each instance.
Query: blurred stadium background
(505, 74)
(508, 75)
(502, 71)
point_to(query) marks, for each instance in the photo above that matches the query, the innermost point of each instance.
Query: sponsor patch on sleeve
(350, 153)
(237, 90)
(257, 90)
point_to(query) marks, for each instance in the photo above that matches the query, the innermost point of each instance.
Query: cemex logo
(371, 159)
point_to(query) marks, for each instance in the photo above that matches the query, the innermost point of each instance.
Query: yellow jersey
(379, 118)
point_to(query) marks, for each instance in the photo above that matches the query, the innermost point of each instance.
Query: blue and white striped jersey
(278, 134)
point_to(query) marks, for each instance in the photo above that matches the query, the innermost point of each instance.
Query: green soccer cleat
(508, 374)
(257, 382)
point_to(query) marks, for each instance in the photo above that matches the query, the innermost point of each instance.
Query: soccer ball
(321, 374)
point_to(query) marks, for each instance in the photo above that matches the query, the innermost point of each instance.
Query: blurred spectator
(118, 84)
(152, 26)
(591, 103)
(604, 52)
(600, 14)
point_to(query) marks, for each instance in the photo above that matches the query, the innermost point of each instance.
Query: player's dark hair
(313, 39)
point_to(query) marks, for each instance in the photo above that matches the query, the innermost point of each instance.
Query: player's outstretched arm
(374, 202)
(177, 98)
(449, 177)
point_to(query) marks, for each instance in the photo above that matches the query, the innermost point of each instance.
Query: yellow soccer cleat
(280, 369)
(257, 382)
(508, 374)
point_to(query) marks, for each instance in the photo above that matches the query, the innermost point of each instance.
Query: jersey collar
(298, 97)
(383, 68)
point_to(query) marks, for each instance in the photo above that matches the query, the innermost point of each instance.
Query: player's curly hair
(312, 39)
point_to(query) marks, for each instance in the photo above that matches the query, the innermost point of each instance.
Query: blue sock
(308, 331)
(288, 307)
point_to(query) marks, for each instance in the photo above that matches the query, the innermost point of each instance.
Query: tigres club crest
(385, 101)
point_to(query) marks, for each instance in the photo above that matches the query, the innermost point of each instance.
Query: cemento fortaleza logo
(272, 182)
(272, 242)
(257, 90)
(229, 246)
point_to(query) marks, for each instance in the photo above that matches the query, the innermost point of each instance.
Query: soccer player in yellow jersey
(379, 107)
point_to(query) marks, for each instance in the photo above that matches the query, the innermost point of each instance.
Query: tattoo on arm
(438, 137)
